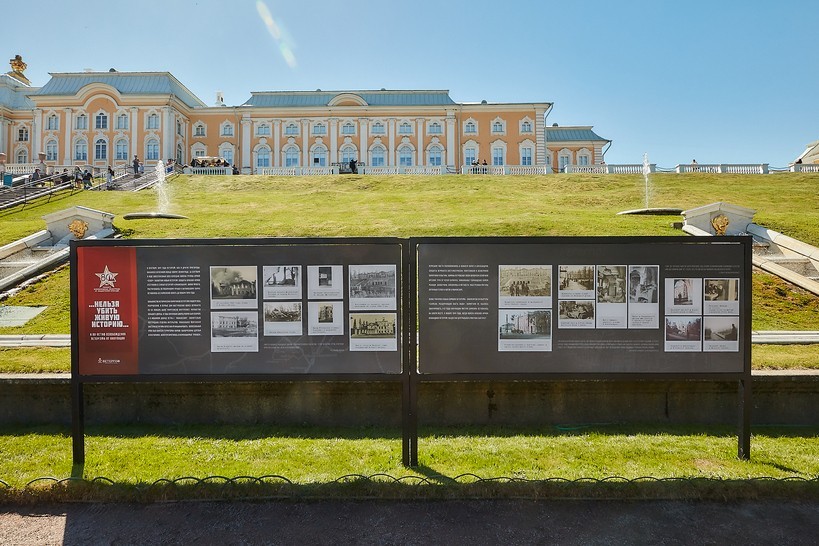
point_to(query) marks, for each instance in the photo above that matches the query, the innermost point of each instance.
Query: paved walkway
(454, 522)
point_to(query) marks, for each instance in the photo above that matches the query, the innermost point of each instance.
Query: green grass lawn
(452, 461)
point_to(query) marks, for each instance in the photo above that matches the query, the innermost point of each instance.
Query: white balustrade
(528, 169)
(319, 171)
(417, 169)
(805, 168)
(378, 171)
(208, 170)
(279, 171)
(21, 168)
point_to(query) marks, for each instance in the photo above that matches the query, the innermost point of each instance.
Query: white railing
(528, 169)
(804, 168)
(318, 171)
(278, 171)
(208, 170)
(21, 168)
(378, 171)
(418, 169)
(483, 169)
(723, 168)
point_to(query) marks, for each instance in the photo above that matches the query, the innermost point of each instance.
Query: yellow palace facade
(103, 119)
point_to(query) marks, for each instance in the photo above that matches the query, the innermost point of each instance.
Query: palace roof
(13, 94)
(318, 98)
(127, 83)
(561, 134)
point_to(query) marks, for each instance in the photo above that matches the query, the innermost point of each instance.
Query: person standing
(109, 178)
(136, 166)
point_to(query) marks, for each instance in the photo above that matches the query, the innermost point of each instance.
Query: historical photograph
(720, 334)
(325, 318)
(372, 287)
(576, 282)
(234, 331)
(683, 296)
(233, 287)
(574, 314)
(281, 282)
(524, 330)
(721, 297)
(611, 284)
(528, 286)
(643, 284)
(683, 334)
(325, 282)
(282, 318)
(373, 332)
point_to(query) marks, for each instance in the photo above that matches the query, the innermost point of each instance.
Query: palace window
(379, 129)
(348, 154)
(434, 128)
(434, 156)
(263, 157)
(291, 157)
(100, 150)
(22, 134)
(525, 156)
(153, 122)
(319, 129)
(262, 130)
(470, 155)
(526, 127)
(121, 150)
(470, 128)
(101, 121)
(52, 123)
(291, 129)
(405, 129)
(152, 150)
(51, 150)
(405, 156)
(22, 156)
(227, 155)
(378, 155)
(582, 160)
(497, 127)
(81, 151)
(199, 130)
(348, 129)
(562, 161)
(497, 156)
(122, 121)
(82, 123)
(319, 156)
(178, 127)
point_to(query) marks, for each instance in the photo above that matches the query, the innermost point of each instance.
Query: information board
(584, 306)
(211, 307)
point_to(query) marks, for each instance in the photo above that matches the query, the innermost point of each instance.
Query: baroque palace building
(107, 118)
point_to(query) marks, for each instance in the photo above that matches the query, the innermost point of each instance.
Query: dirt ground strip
(505, 522)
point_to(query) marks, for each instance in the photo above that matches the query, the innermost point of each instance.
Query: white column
(333, 128)
(420, 139)
(36, 134)
(134, 126)
(450, 139)
(69, 121)
(4, 127)
(277, 142)
(391, 142)
(540, 137)
(363, 125)
(167, 133)
(305, 151)
(247, 167)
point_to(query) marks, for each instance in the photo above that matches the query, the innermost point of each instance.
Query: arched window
(405, 156)
(319, 129)
(100, 150)
(52, 123)
(526, 127)
(291, 129)
(101, 121)
(262, 157)
(178, 127)
(348, 129)
(470, 155)
(121, 150)
(348, 153)
(435, 128)
(22, 134)
(22, 156)
(122, 121)
(152, 150)
(153, 122)
(262, 130)
(405, 129)
(227, 154)
(81, 150)
(179, 158)
(434, 156)
(51, 150)
(199, 130)
(378, 128)
(498, 156)
(291, 156)
(470, 127)
(318, 156)
(81, 123)
(526, 155)
(378, 155)
(497, 127)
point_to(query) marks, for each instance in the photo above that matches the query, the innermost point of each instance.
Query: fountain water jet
(647, 210)
(163, 200)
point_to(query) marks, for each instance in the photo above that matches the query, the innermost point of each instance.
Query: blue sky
(719, 81)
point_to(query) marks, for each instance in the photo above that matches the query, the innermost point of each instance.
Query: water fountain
(646, 210)
(163, 200)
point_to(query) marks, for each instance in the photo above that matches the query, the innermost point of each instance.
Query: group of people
(209, 162)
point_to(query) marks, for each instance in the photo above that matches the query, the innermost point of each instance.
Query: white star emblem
(107, 278)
